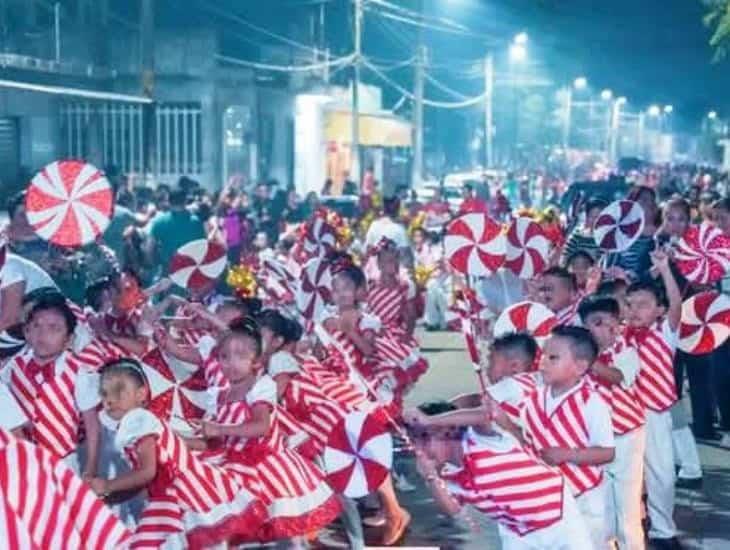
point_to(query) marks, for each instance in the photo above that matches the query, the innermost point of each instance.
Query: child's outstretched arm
(612, 375)
(589, 455)
(92, 427)
(660, 259)
(136, 479)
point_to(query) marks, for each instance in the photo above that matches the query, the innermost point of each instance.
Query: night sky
(652, 51)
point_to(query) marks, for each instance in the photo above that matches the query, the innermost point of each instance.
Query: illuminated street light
(517, 52)
(621, 100)
(580, 83)
(668, 109)
(606, 95)
(520, 38)
(712, 115)
(654, 110)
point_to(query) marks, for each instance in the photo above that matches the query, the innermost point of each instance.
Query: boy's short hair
(516, 344)
(598, 303)
(611, 287)
(580, 254)
(564, 274)
(582, 344)
(647, 285)
(52, 300)
(592, 204)
(432, 408)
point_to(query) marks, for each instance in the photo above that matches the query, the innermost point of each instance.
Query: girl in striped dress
(318, 414)
(393, 300)
(243, 431)
(190, 503)
(57, 393)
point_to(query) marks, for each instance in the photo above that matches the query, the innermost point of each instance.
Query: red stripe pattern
(44, 505)
(49, 403)
(627, 410)
(528, 384)
(512, 487)
(566, 428)
(655, 384)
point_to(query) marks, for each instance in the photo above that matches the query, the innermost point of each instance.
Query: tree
(718, 19)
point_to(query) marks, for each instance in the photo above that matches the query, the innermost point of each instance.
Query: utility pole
(417, 168)
(355, 141)
(147, 46)
(489, 111)
(641, 134)
(57, 30)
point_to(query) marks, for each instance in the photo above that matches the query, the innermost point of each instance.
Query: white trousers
(659, 474)
(624, 477)
(437, 303)
(570, 533)
(592, 506)
(686, 455)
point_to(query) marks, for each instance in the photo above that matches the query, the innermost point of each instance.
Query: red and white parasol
(527, 248)
(705, 323)
(703, 254)
(475, 245)
(618, 226)
(531, 317)
(315, 288)
(277, 281)
(358, 455)
(69, 203)
(320, 237)
(178, 390)
(198, 263)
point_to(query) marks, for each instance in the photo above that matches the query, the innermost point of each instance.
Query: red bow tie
(40, 373)
(636, 334)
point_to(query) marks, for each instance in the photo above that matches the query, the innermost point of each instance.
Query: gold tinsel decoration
(422, 274)
(241, 279)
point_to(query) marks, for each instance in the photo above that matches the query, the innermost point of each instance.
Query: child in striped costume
(652, 330)
(318, 414)
(492, 472)
(244, 431)
(392, 298)
(568, 424)
(512, 374)
(614, 374)
(559, 292)
(57, 393)
(190, 503)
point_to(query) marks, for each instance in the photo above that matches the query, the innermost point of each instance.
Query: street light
(606, 95)
(668, 109)
(654, 110)
(520, 38)
(580, 83)
(621, 100)
(712, 115)
(517, 52)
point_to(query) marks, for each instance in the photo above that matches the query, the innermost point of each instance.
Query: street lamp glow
(517, 52)
(621, 100)
(580, 83)
(606, 95)
(668, 109)
(712, 115)
(654, 110)
(520, 38)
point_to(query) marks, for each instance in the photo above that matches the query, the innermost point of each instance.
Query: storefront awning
(375, 130)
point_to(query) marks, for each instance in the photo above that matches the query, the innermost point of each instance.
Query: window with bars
(117, 131)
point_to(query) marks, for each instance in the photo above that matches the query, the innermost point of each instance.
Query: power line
(339, 62)
(418, 16)
(436, 104)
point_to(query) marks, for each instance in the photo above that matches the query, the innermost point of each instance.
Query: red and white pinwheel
(315, 288)
(618, 226)
(703, 254)
(527, 248)
(198, 263)
(358, 455)
(178, 390)
(705, 323)
(475, 245)
(69, 203)
(530, 317)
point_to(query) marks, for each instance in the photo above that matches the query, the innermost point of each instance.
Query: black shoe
(665, 544)
(693, 484)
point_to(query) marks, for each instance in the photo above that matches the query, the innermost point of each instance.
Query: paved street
(703, 516)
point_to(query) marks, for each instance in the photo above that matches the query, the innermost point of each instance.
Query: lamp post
(580, 83)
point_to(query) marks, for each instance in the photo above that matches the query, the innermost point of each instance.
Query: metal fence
(116, 133)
